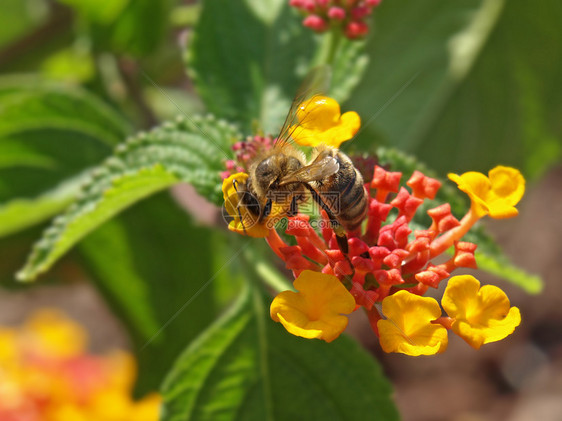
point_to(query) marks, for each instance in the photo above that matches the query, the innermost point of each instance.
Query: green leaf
(463, 86)
(248, 59)
(121, 25)
(189, 150)
(49, 134)
(98, 11)
(499, 265)
(245, 67)
(74, 65)
(154, 266)
(21, 213)
(19, 17)
(348, 68)
(246, 367)
(491, 258)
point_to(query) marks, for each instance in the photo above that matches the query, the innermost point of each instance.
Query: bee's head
(268, 172)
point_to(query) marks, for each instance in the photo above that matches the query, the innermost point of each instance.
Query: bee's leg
(235, 185)
(336, 226)
(294, 207)
(267, 208)
(341, 239)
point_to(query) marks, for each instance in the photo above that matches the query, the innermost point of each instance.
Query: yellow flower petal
(481, 315)
(147, 409)
(243, 221)
(316, 310)
(321, 122)
(508, 187)
(8, 346)
(495, 195)
(408, 328)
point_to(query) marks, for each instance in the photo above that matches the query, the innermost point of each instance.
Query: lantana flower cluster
(47, 375)
(348, 15)
(387, 266)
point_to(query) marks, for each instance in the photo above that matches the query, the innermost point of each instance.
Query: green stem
(266, 271)
(272, 277)
(335, 41)
(329, 49)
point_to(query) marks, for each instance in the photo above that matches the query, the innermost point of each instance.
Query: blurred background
(462, 85)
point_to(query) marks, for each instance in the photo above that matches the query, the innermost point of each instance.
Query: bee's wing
(316, 171)
(316, 83)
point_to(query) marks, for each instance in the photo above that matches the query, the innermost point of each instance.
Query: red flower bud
(316, 23)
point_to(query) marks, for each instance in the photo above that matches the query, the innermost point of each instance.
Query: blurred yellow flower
(495, 195)
(408, 327)
(52, 334)
(47, 375)
(315, 311)
(321, 122)
(480, 315)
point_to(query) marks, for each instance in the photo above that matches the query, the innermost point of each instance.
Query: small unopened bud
(309, 5)
(360, 12)
(299, 4)
(372, 3)
(316, 23)
(336, 13)
(356, 30)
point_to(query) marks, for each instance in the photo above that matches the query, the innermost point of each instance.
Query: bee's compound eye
(243, 205)
(293, 164)
(265, 168)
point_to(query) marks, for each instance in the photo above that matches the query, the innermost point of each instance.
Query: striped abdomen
(344, 193)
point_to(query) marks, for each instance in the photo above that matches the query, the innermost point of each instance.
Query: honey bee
(284, 177)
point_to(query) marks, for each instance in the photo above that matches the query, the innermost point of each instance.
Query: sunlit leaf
(249, 58)
(463, 85)
(246, 367)
(190, 150)
(154, 265)
(49, 134)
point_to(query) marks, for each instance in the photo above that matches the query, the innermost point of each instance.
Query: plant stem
(265, 270)
(329, 48)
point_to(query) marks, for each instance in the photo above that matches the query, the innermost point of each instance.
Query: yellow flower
(243, 221)
(316, 310)
(481, 315)
(8, 346)
(147, 409)
(408, 328)
(52, 334)
(321, 122)
(46, 374)
(495, 195)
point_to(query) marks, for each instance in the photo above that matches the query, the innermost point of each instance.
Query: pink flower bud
(336, 13)
(316, 23)
(299, 4)
(356, 30)
(360, 12)
(372, 3)
(309, 5)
